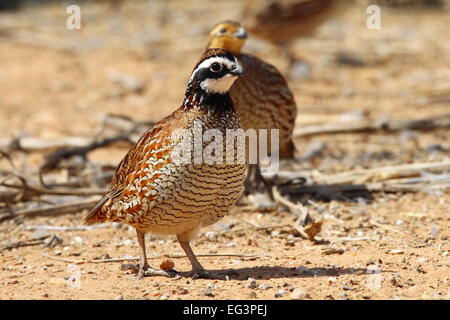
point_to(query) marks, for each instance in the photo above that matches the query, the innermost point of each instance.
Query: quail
(282, 21)
(155, 192)
(262, 96)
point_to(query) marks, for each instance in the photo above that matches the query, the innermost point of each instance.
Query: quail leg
(255, 182)
(144, 268)
(197, 270)
(196, 266)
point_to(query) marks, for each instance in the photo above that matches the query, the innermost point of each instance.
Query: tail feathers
(95, 215)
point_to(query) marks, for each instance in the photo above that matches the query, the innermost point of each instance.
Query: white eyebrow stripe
(208, 62)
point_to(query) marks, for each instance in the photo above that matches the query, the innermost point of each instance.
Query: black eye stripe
(206, 73)
(226, 63)
(216, 67)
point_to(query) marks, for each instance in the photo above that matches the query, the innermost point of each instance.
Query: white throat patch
(221, 85)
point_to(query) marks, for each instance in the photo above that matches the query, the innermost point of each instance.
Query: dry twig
(400, 178)
(425, 124)
(174, 256)
(25, 243)
(66, 228)
(52, 210)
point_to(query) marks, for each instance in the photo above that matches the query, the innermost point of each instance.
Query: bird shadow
(275, 272)
(301, 193)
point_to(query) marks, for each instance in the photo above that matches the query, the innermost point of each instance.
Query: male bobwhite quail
(154, 192)
(282, 21)
(262, 96)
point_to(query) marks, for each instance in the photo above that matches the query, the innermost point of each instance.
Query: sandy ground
(56, 82)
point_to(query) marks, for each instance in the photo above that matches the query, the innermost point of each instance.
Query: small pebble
(342, 296)
(264, 286)
(211, 236)
(128, 242)
(348, 288)
(302, 269)
(290, 242)
(300, 294)
(396, 251)
(299, 71)
(167, 264)
(40, 233)
(332, 250)
(165, 296)
(183, 291)
(434, 231)
(396, 281)
(77, 240)
(208, 292)
(331, 280)
(422, 259)
(251, 285)
(370, 262)
(252, 295)
(420, 269)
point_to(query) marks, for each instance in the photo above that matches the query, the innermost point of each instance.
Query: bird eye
(222, 31)
(215, 67)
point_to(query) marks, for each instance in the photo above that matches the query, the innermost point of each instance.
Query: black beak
(237, 70)
(241, 33)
